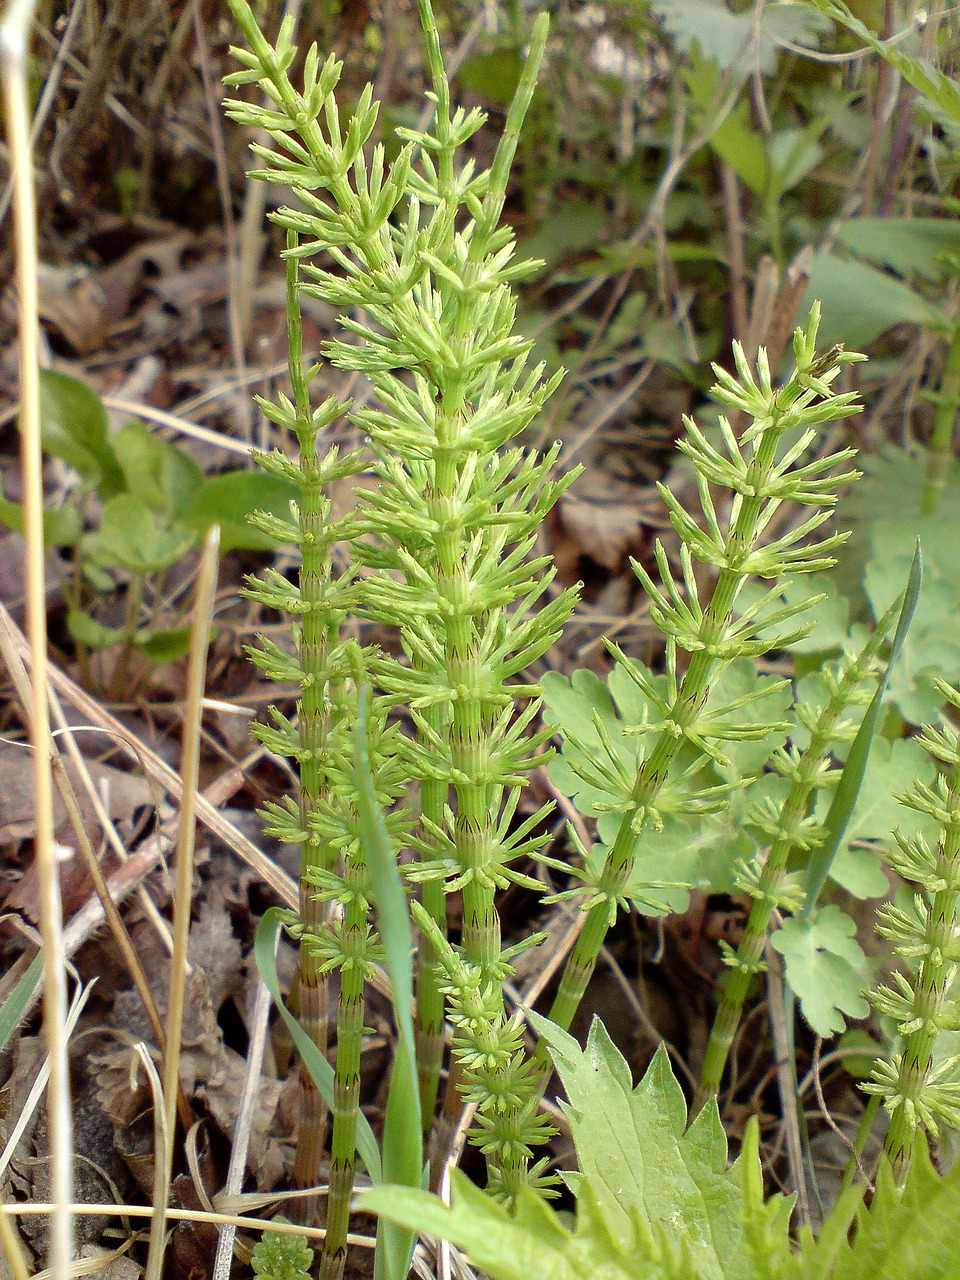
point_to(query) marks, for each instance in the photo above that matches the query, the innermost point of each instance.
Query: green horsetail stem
(794, 829)
(764, 475)
(917, 1091)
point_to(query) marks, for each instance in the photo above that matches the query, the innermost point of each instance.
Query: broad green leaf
(882, 511)
(131, 536)
(794, 154)
(670, 861)
(62, 526)
(829, 618)
(91, 633)
(850, 789)
(667, 863)
(19, 1000)
(577, 225)
(906, 245)
(73, 426)
(624, 255)
(859, 303)
(402, 1134)
(320, 1069)
(653, 1202)
(891, 769)
(734, 138)
(727, 35)
(769, 705)
(531, 1244)
(932, 646)
(638, 1161)
(156, 472)
(227, 500)
(823, 967)
(859, 1052)
(164, 646)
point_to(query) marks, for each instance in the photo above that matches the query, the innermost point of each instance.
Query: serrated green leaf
(532, 1244)
(635, 1155)
(907, 1233)
(728, 36)
(823, 967)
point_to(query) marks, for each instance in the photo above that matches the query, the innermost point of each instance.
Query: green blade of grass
(838, 816)
(19, 1000)
(855, 767)
(402, 1136)
(319, 1068)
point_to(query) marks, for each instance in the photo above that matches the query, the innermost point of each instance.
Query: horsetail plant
(333, 923)
(764, 469)
(917, 1091)
(454, 520)
(449, 534)
(791, 827)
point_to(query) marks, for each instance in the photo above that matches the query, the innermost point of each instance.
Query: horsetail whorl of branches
(763, 469)
(919, 1091)
(412, 256)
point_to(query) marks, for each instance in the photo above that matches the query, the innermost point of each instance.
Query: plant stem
(652, 774)
(313, 729)
(805, 774)
(134, 604)
(346, 1095)
(941, 438)
(937, 970)
(430, 999)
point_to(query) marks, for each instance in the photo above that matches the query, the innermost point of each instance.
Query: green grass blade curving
(19, 1000)
(855, 767)
(319, 1068)
(402, 1134)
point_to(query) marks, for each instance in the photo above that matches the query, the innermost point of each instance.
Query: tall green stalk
(418, 254)
(332, 926)
(455, 517)
(916, 1091)
(764, 469)
(319, 604)
(792, 828)
(940, 453)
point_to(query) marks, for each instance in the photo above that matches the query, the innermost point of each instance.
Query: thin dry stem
(14, 37)
(189, 775)
(12, 1247)
(244, 1126)
(37, 1208)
